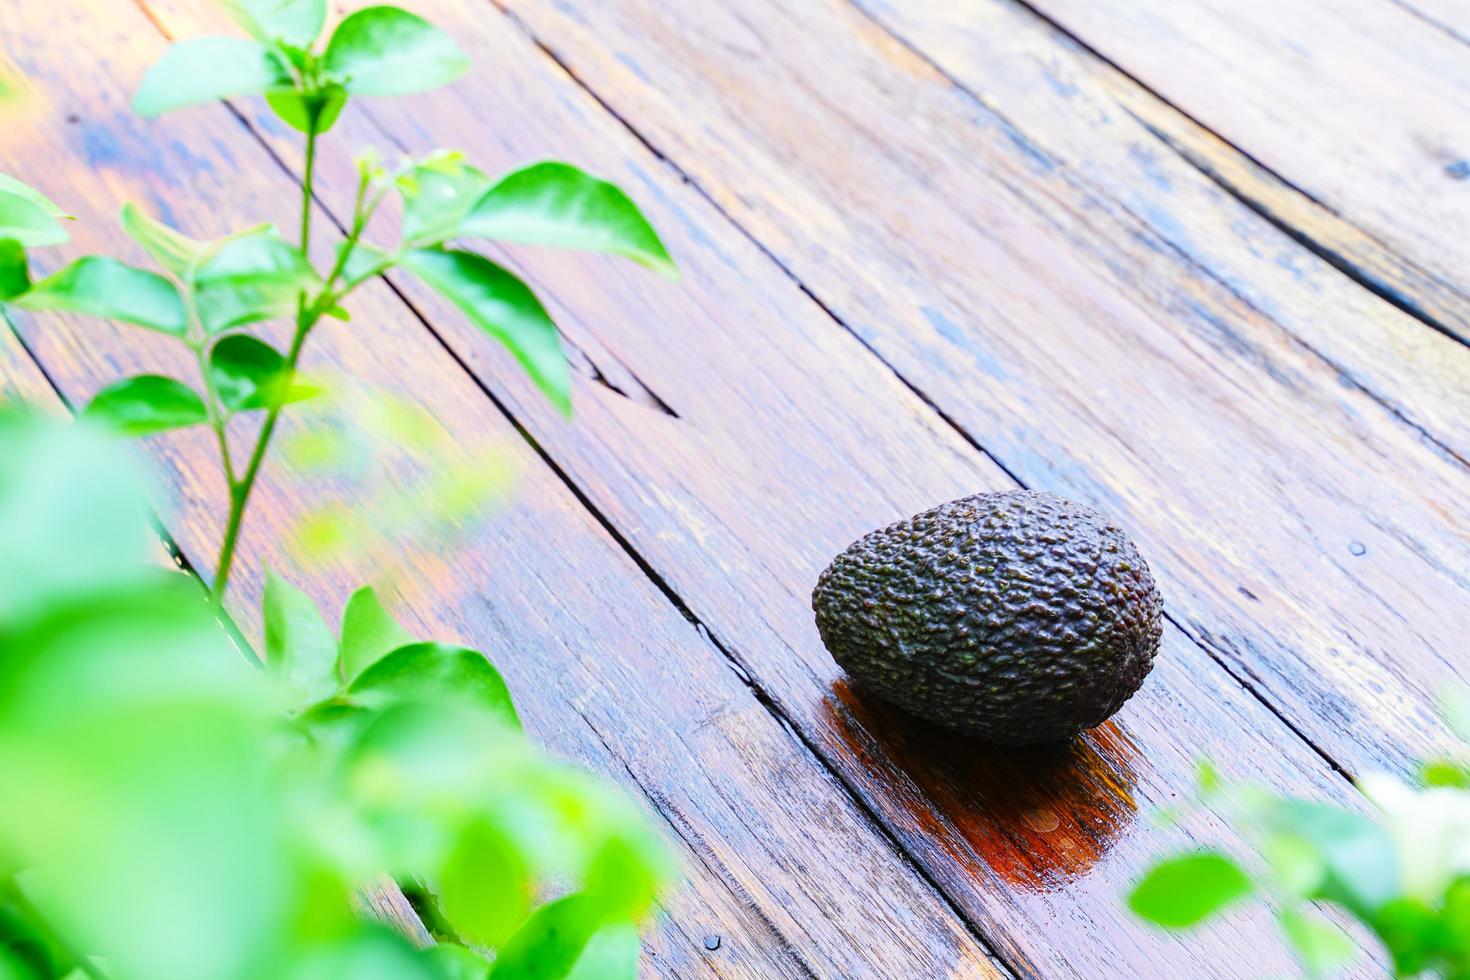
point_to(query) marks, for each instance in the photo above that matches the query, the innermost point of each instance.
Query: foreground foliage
(168, 810)
(1399, 866)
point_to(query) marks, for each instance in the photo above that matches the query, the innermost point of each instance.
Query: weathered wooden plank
(1140, 155)
(1362, 106)
(606, 670)
(789, 441)
(1303, 531)
(20, 379)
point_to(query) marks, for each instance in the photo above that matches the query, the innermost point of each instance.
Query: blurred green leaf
(373, 954)
(504, 307)
(1445, 772)
(15, 274)
(1412, 932)
(1321, 946)
(250, 374)
(611, 954)
(485, 886)
(365, 262)
(145, 405)
(1298, 864)
(171, 249)
(1361, 867)
(627, 872)
(436, 673)
(210, 68)
(1183, 891)
(369, 633)
(308, 112)
(257, 257)
(458, 963)
(28, 216)
(554, 203)
(108, 288)
(294, 22)
(19, 188)
(72, 515)
(437, 199)
(389, 51)
(569, 938)
(299, 646)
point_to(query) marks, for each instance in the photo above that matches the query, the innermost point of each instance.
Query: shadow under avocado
(1037, 816)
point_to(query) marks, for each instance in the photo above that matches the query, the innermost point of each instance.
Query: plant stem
(306, 316)
(240, 491)
(306, 181)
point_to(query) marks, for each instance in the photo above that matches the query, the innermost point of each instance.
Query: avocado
(1017, 616)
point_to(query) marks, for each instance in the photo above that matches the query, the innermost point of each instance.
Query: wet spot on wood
(711, 942)
(1038, 817)
(1358, 548)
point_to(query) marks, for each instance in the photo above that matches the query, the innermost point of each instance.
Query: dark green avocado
(1018, 617)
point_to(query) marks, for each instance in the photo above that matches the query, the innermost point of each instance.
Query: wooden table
(1202, 265)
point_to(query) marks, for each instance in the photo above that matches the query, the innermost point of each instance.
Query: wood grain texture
(790, 440)
(782, 864)
(1302, 531)
(21, 381)
(1364, 106)
(1145, 158)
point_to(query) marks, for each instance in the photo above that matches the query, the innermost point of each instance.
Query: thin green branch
(309, 313)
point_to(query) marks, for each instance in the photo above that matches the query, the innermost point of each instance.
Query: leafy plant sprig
(1402, 871)
(207, 292)
(168, 812)
(359, 752)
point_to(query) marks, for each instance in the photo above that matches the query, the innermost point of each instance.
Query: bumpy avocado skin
(1017, 616)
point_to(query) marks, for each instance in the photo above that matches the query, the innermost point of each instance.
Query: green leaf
(147, 404)
(389, 51)
(28, 216)
(436, 674)
(1321, 946)
(369, 633)
(10, 185)
(611, 954)
(485, 886)
(171, 249)
(250, 277)
(457, 963)
(15, 274)
(1362, 870)
(554, 203)
(1182, 891)
(365, 262)
(299, 646)
(294, 22)
(569, 938)
(437, 199)
(249, 374)
(1412, 931)
(210, 68)
(504, 307)
(1445, 772)
(309, 112)
(1298, 864)
(258, 257)
(105, 287)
